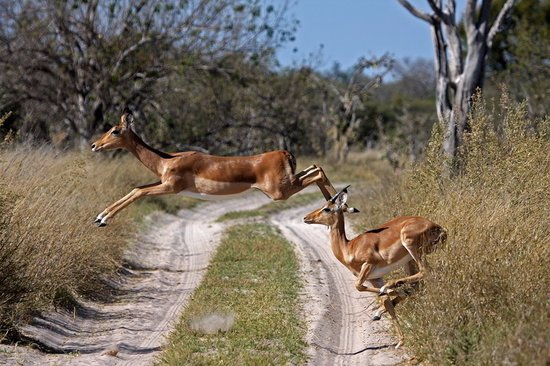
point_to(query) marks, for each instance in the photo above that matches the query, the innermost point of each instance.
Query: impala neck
(148, 156)
(338, 240)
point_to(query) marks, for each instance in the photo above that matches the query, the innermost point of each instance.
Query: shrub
(48, 244)
(484, 302)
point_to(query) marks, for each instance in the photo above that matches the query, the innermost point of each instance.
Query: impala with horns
(400, 242)
(206, 176)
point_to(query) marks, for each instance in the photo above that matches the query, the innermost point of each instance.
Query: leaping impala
(208, 176)
(402, 241)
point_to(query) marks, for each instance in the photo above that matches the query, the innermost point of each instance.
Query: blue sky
(349, 29)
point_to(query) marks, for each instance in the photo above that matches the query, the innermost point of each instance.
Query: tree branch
(469, 12)
(441, 71)
(503, 14)
(417, 13)
(439, 12)
(129, 50)
(483, 20)
(451, 10)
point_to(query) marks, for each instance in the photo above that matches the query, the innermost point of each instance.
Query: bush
(48, 245)
(484, 302)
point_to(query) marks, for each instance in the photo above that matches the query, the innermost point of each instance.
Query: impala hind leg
(382, 308)
(387, 305)
(410, 269)
(314, 174)
(419, 260)
(310, 175)
(378, 283)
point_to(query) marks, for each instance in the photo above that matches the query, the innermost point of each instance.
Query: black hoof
(102, 224)
(376, 317)
(97, 220)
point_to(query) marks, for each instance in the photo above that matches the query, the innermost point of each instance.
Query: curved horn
(345, 189)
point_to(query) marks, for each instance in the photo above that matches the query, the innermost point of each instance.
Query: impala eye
(326, 209)
(115, 132)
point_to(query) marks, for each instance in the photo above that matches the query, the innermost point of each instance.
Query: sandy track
(340, 330)
(164, 267)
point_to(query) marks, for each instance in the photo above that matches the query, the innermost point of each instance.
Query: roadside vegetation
(49, 247)
(484, 302)
(245, 310)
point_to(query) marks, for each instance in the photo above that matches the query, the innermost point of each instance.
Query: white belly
(382, 271)
(212, 197)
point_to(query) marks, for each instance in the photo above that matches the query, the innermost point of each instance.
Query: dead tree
(459, 71)
(342, 117)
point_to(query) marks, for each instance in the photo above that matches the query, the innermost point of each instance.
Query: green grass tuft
(250, 293)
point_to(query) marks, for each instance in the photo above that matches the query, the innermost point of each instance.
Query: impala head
(116, 137)
(331, 211)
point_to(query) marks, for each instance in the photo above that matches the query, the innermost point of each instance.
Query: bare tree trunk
(459, 74)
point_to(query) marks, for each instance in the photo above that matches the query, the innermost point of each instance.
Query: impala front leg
(366, 268)
(389, 307)
(135, 194)
(112, 206)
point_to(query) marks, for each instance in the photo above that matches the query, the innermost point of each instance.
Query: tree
(344, 101)
(519, 57)
(72, 65)
(459, 67)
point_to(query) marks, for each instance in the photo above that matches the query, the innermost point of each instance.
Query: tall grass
(49, 246)
(485, 301)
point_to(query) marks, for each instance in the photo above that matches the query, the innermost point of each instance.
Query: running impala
(206, 176)
(400, 242)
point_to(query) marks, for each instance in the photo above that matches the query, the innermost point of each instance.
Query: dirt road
(164, 267)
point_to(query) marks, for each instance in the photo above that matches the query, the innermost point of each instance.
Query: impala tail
(435, 238)
(291, 161)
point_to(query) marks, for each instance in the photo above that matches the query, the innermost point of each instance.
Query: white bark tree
(459, 64)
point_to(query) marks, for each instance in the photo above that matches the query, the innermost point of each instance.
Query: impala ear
(130, 120)
(127, 118)
(352, 210)
(341, 198)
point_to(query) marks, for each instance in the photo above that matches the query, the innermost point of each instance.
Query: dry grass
(49, 247)
(485, 301)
